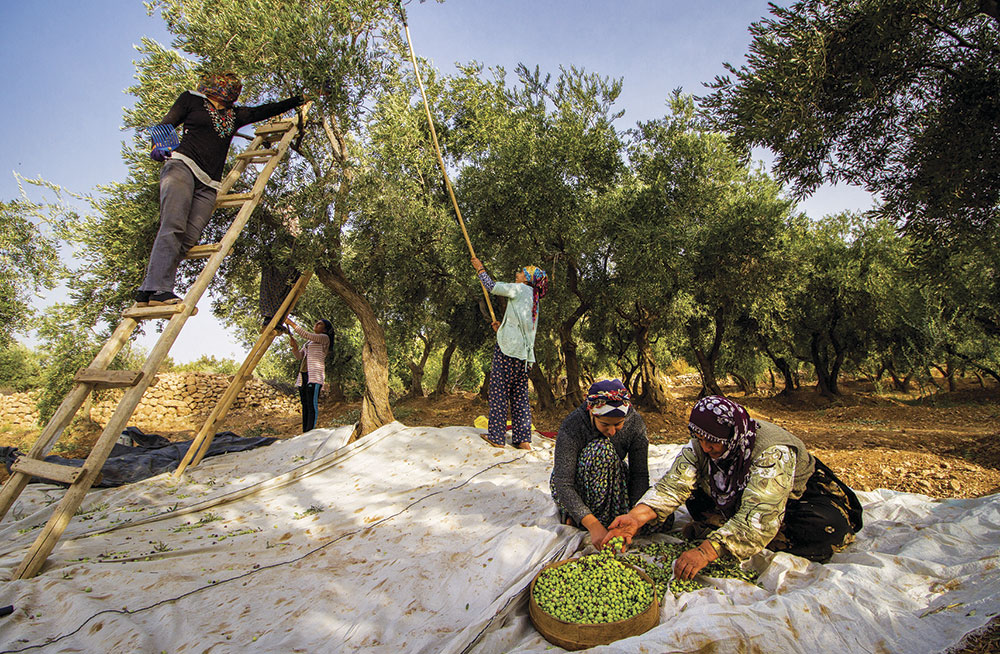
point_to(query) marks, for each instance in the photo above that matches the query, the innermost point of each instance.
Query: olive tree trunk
(417, 369)
(655, 395)
(706, 360)
(442, 381)
(375, 408)
(574, 393)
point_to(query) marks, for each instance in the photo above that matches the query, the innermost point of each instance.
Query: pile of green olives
(593, 589)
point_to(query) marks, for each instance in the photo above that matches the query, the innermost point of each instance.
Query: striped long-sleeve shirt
(314, 352)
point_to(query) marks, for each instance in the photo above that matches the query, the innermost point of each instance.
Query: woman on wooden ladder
(192, 174)
(514, 354)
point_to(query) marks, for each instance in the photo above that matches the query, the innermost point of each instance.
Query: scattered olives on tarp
(657, 561)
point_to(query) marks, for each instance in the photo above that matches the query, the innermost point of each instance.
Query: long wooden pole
(437, 151)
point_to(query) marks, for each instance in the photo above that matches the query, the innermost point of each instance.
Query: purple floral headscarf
(720, 420)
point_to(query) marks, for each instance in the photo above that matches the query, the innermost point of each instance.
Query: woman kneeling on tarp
(591, 483)
(748, 484)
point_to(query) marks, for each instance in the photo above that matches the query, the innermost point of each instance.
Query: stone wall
(178, 400)
(18, 410)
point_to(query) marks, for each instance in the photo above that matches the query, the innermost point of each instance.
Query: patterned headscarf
(609, 399)
(539, 282)
(720, 420)
(224, 88)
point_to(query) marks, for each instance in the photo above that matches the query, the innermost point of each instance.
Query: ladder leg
(203, 440)
(14, 486)
(70, 502)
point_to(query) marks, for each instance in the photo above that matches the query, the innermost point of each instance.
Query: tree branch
(950, 32)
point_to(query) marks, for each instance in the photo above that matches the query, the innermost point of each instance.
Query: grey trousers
(185, 208)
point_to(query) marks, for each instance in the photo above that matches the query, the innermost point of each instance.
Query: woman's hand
(625, 526)
(288, 321)
(598, 536)
(495, 325)
(159, 153)
(477, 265)
(692, 561)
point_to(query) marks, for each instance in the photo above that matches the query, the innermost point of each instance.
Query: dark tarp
(148, 456)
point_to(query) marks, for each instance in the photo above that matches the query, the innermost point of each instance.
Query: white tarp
(424, 540)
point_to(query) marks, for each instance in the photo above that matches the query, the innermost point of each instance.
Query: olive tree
(29, 262)
(697, 242)
(344, 49)
(897, 96)
(538, 157)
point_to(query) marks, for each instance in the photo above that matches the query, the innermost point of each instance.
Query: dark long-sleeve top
(201, 143)
(575, 432)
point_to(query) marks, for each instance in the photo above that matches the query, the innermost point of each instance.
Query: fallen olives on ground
(657, 561)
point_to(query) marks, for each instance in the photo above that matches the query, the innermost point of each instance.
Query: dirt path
(945, 445)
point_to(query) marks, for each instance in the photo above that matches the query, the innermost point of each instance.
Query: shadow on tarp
(148, 456)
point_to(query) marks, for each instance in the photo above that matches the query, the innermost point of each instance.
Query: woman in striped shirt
(312, 371)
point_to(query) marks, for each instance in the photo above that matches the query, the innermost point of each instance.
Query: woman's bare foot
(523, 446)
(488, 441)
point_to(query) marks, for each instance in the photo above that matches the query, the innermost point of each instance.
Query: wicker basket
(575, 635)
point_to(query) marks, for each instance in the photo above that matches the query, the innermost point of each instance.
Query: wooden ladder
(203, 440)
(269, 146)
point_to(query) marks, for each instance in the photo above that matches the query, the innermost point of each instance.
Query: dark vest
(769, 435)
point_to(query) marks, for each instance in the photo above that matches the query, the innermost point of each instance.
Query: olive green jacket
(780, 467)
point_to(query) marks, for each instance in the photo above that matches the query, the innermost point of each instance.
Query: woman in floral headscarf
(192, 174)
(513, 354)
(591, 482)
(748, 484)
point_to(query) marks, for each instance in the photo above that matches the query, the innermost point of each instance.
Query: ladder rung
(233, 199)
(203, 251)
(46, 470)
(151, 313)
(278, 126)
(257, 156)
(108, 378)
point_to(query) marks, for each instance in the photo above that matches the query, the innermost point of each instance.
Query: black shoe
(163, 297)
(280, 327)
(141, 298)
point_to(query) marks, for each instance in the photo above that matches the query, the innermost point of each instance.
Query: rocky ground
(940, 445)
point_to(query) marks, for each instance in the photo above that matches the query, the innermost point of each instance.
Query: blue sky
(67, 64)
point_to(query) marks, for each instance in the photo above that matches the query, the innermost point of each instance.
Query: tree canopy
(899, 97)
(664, 246)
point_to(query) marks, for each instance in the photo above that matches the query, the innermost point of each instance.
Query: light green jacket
(516, 336)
